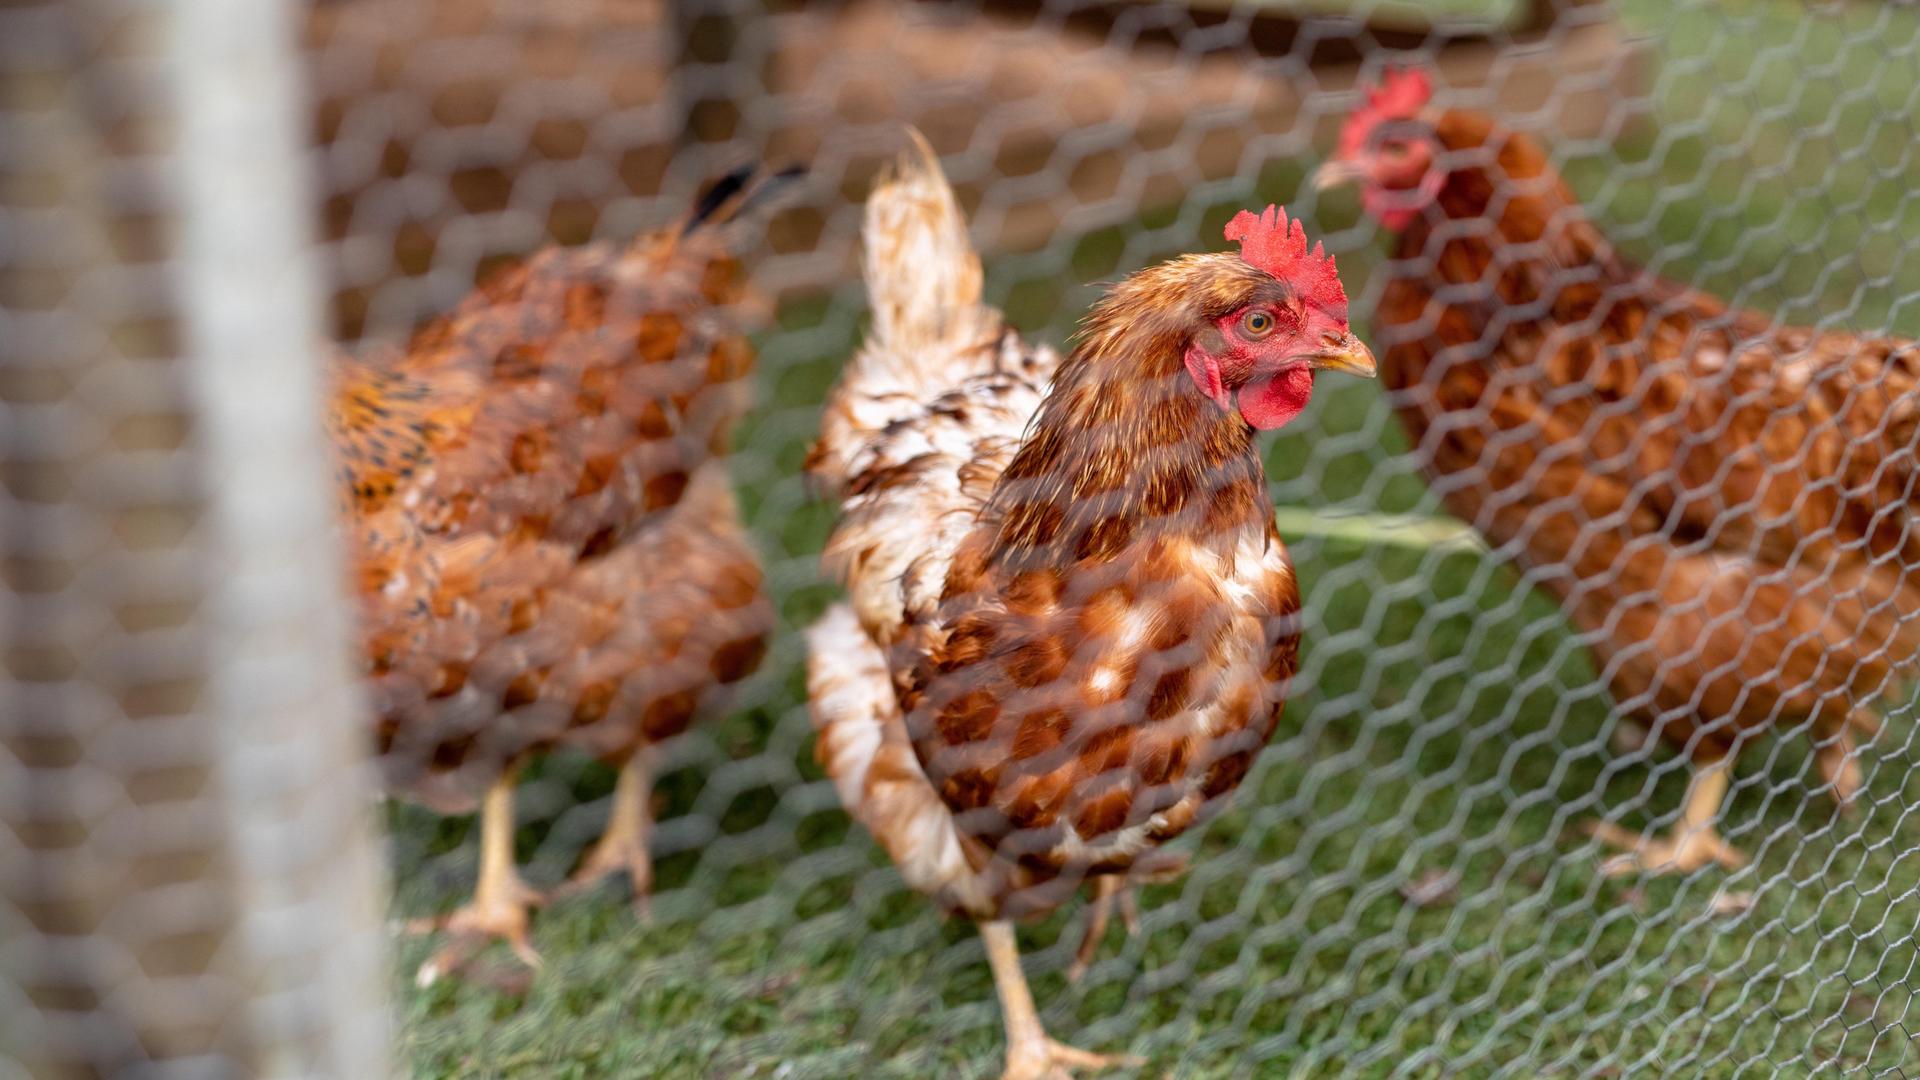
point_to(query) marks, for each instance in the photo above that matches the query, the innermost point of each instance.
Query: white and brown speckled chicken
(547, 550)
(1071, 622)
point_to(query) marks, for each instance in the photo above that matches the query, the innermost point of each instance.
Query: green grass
(1446, 721)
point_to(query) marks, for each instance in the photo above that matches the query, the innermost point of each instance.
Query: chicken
(1720, 502)
(546, 547)
(1071, 623)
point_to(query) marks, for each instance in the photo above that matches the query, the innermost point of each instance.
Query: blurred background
(193, 193)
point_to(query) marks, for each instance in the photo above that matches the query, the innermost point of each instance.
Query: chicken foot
(1031, 1053)
(623, 845)
(500, 901)
(1692, 843)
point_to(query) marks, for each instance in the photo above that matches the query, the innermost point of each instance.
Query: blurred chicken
(1071, 622)
(547, 548)
(1722, 502)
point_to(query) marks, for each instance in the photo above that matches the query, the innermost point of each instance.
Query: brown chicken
(1721, 503)
(547, 549)
(1072, 623)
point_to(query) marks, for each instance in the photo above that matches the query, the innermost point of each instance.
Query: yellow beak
(1335, 174)
(1346, 354)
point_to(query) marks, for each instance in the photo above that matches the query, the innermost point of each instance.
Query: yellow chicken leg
(1031, 1055)
(1690, 845)
(1839, 764)
(623, 845)
(500, 901)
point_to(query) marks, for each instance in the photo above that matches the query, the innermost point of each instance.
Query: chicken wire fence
(190, 881)
(1402, 885)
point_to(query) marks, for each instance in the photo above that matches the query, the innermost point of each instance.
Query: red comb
(1278, 246)
(1400, 95)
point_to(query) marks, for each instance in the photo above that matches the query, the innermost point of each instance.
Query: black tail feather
(718, 194)
(737, 192)
(771, 187)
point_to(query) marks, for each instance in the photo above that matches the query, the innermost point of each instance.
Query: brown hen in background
(1721, 502)
(547, 549)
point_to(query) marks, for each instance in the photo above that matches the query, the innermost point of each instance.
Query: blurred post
(188, 879)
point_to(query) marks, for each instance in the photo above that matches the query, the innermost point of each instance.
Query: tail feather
(922, 272)
(861, 742)
(732, 196)
(930, 331)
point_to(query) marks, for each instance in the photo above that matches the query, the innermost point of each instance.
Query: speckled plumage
(1722, 502)
(546, 548)
(1071, 623)
(545, 555)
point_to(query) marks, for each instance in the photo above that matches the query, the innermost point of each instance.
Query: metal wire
(1401, 887)
(191, 882)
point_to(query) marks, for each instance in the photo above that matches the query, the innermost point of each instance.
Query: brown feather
(1722, 503)
(547, 550)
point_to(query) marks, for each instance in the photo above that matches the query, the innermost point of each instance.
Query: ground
(1401, 887)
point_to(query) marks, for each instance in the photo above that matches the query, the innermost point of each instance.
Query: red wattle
(1271, 403)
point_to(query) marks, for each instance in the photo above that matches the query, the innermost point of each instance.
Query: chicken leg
(500, 898)
(1099, 914)
(1691, 844)
(623, 844)
(1838, 759)
(1031, 1054)
(1161, 866)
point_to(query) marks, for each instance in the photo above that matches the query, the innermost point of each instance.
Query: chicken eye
(1257, 324)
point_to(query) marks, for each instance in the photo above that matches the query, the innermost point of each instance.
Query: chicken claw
(1685, 851)
(497, 918)
(1032, 1054)
(623, 845)
(1051, 1060)
(498, 910)
(1693, 842)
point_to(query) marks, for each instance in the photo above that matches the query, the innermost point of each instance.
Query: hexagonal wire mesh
(191, 883)
(1401, 886)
